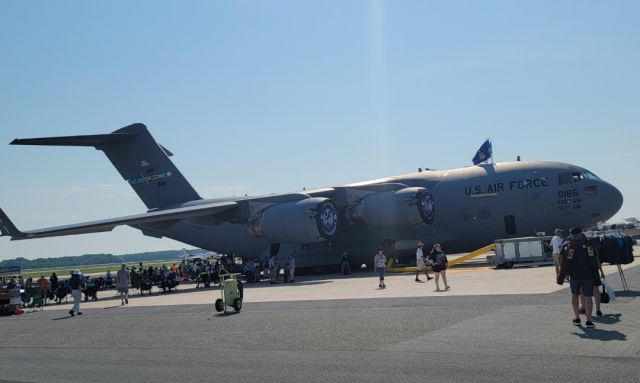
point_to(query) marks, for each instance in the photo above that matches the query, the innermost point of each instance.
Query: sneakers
(447, 288)
(79, 313)
(71, 313)
(126, 300)
(121, 303)
(418, 280)
(576, 322)
(429, 278)
(599, 313)
(589, 324)
(380, 285)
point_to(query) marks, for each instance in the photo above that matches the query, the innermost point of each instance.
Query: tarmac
(493, 325)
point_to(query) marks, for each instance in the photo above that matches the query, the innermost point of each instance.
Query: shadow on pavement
(227, 314)
(600, 334)
(627, 293)
(61, 318)
(608, 319)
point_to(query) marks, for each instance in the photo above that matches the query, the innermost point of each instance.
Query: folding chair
(37, 301)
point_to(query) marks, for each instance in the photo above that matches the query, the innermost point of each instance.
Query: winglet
(7, 228)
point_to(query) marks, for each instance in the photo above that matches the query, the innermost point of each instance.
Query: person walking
(345, 267)
(76, 284)
(379, 263)
(291, 268)
(420, 263)
(556, 245)
(123, 279)
(597, 284)
(582, 268)
(43, 288)
(53, 281)
(439, 260)
(274, 270)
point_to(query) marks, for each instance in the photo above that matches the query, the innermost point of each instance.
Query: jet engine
(399, 208)
(305, 221)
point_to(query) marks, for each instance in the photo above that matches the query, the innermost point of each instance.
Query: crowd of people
(576, 261)
(202, 271)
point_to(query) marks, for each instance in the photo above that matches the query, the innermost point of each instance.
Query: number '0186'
(569, 193)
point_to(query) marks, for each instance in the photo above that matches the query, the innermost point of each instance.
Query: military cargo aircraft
(462, 208)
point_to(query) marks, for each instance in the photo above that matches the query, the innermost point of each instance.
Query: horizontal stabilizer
(96, 140)
(157, 217)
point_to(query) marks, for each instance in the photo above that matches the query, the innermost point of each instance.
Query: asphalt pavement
(453, 338)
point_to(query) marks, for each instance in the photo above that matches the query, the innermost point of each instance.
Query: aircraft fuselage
(473, 207)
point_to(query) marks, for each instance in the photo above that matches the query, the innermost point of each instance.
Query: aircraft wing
(166, 217)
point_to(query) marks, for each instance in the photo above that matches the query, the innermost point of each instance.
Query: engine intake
(401, 208)
(301, 222)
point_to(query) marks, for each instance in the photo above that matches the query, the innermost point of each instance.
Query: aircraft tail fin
(139, 159)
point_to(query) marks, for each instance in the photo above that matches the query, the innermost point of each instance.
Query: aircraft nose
(613, 199)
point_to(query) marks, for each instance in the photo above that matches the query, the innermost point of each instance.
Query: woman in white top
(379, 262)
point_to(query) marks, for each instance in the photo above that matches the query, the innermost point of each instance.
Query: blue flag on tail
(484, 153)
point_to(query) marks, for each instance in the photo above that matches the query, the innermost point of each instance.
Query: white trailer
(526, 250)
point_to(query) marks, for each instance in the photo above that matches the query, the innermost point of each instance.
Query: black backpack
(75, 283)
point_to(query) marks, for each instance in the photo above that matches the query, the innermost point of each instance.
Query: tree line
(92, 259)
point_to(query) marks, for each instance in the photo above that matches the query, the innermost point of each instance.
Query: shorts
(586, 285)
(381, 273)
(420, 264)
(124, 290)
(556, 259)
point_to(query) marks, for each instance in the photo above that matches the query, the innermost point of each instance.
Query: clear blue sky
(272, 96)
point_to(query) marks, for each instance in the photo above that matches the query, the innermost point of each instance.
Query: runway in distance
(463, 208)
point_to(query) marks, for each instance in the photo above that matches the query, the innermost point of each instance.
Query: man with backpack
(580, 264)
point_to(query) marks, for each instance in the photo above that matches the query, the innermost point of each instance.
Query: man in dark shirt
(76, 284)
(582, 271)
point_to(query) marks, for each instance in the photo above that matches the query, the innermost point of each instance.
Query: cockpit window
(564, 178)
(570, 177)
(576, 176)
(589, 176)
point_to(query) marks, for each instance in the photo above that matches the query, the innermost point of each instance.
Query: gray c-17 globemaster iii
(462, 208)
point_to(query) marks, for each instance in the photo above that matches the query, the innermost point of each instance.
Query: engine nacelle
(305, 221)
(401, 208)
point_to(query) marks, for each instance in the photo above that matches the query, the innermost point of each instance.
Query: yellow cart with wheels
(231, 291)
